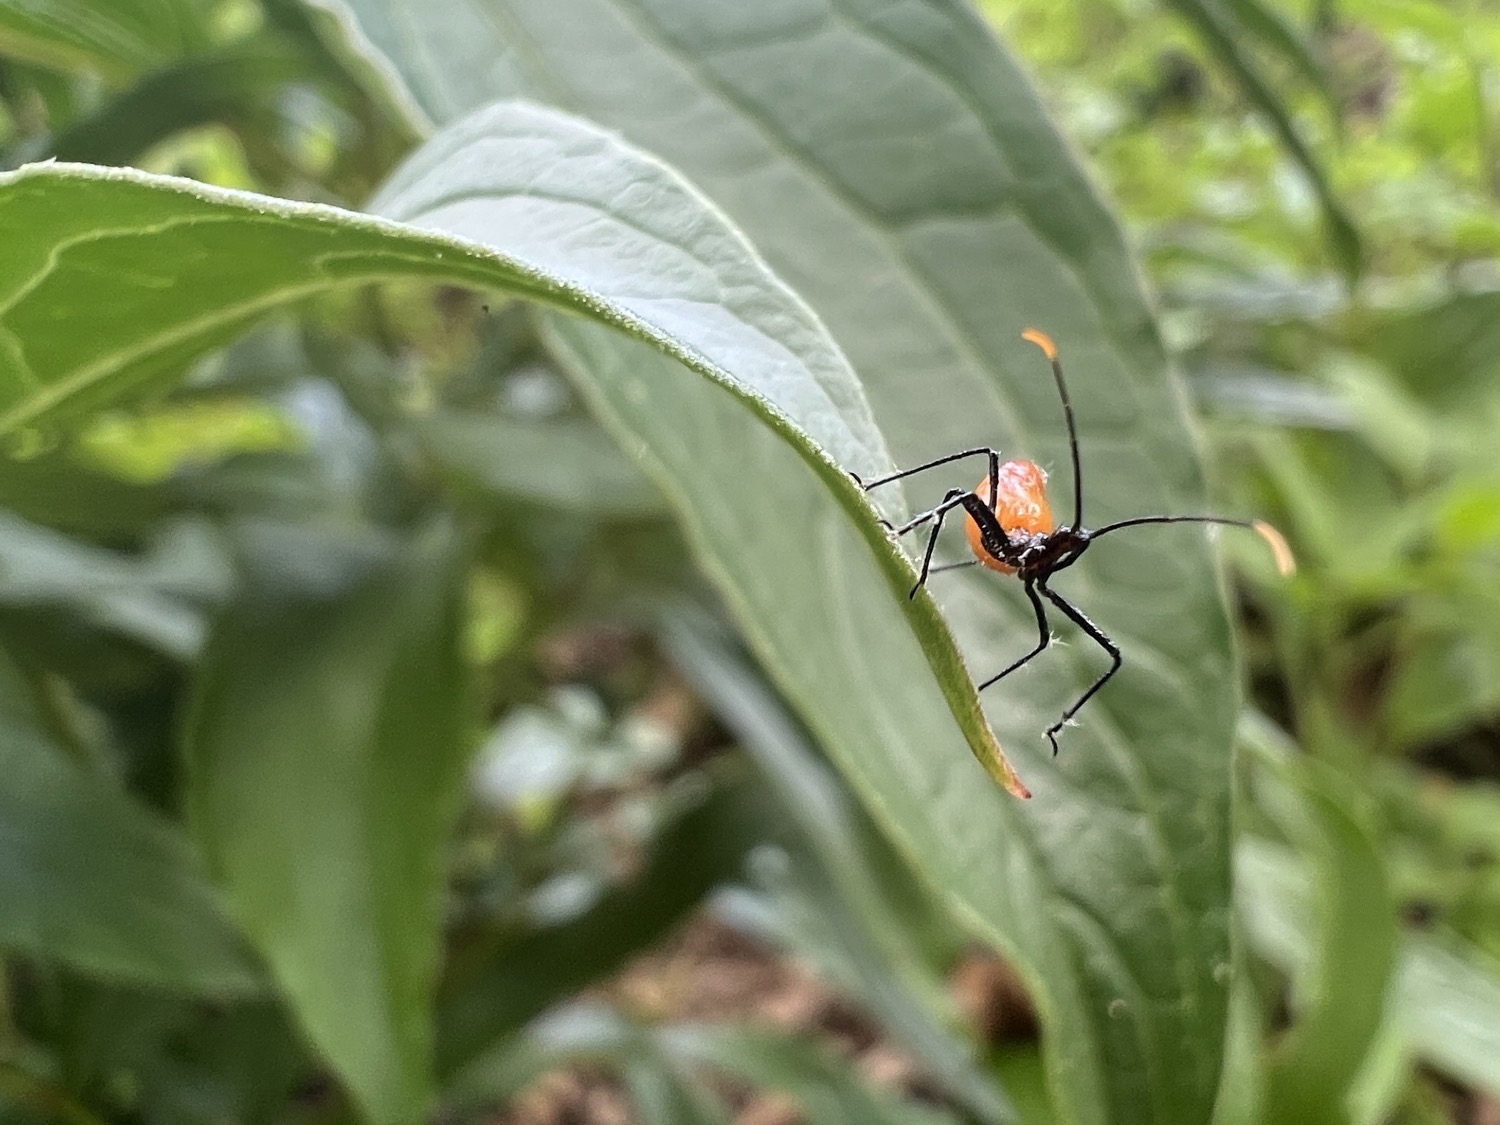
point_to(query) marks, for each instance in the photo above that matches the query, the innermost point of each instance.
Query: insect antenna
(1286, 563)
(1049, 349)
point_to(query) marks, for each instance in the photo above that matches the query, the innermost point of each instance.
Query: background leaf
(847, 905)
(563, 463)
(1441, 997)
(329, 723)
(1450, 1000)
(824, 1091)
(229, 86)
(662, 1088)
(1223, 39)
(1339, 996)
(92, 879)
(118, 38)
(493, 992)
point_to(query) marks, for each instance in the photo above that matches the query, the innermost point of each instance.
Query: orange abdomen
(1020, 504)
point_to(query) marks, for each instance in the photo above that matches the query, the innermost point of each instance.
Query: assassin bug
(1010, 529)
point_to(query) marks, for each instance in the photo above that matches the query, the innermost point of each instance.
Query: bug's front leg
(954, 498)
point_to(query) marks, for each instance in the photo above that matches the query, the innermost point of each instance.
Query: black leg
(1101, 640)
(952, 500)
(1043, 638)
(992, 535)
(952, 566)
(994, 459)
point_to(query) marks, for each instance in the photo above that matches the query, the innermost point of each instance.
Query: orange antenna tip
(1279, 548)
(1042, 340)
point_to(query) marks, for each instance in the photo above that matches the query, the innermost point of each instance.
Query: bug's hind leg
(1102, 640)
(1043, 638)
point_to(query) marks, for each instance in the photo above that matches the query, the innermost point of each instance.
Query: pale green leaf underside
(85, 315)
(85, 310)
(574, 204)
(893, 165)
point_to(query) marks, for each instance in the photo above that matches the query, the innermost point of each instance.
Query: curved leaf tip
(998, 767)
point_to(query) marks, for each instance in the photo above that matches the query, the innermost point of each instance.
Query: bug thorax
(1039, 555)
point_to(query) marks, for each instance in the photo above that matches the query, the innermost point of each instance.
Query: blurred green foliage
(368, 604)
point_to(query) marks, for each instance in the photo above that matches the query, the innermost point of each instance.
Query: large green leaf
(84, 316)
(566, 214)
(92, 879)
(894, 166)
(326, 754)
(572, 202)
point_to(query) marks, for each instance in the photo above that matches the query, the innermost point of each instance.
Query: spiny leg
(992, 455)
(1043, 638)
(1103, 641)
(952, 500)
(993, 476)
(993, 536)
